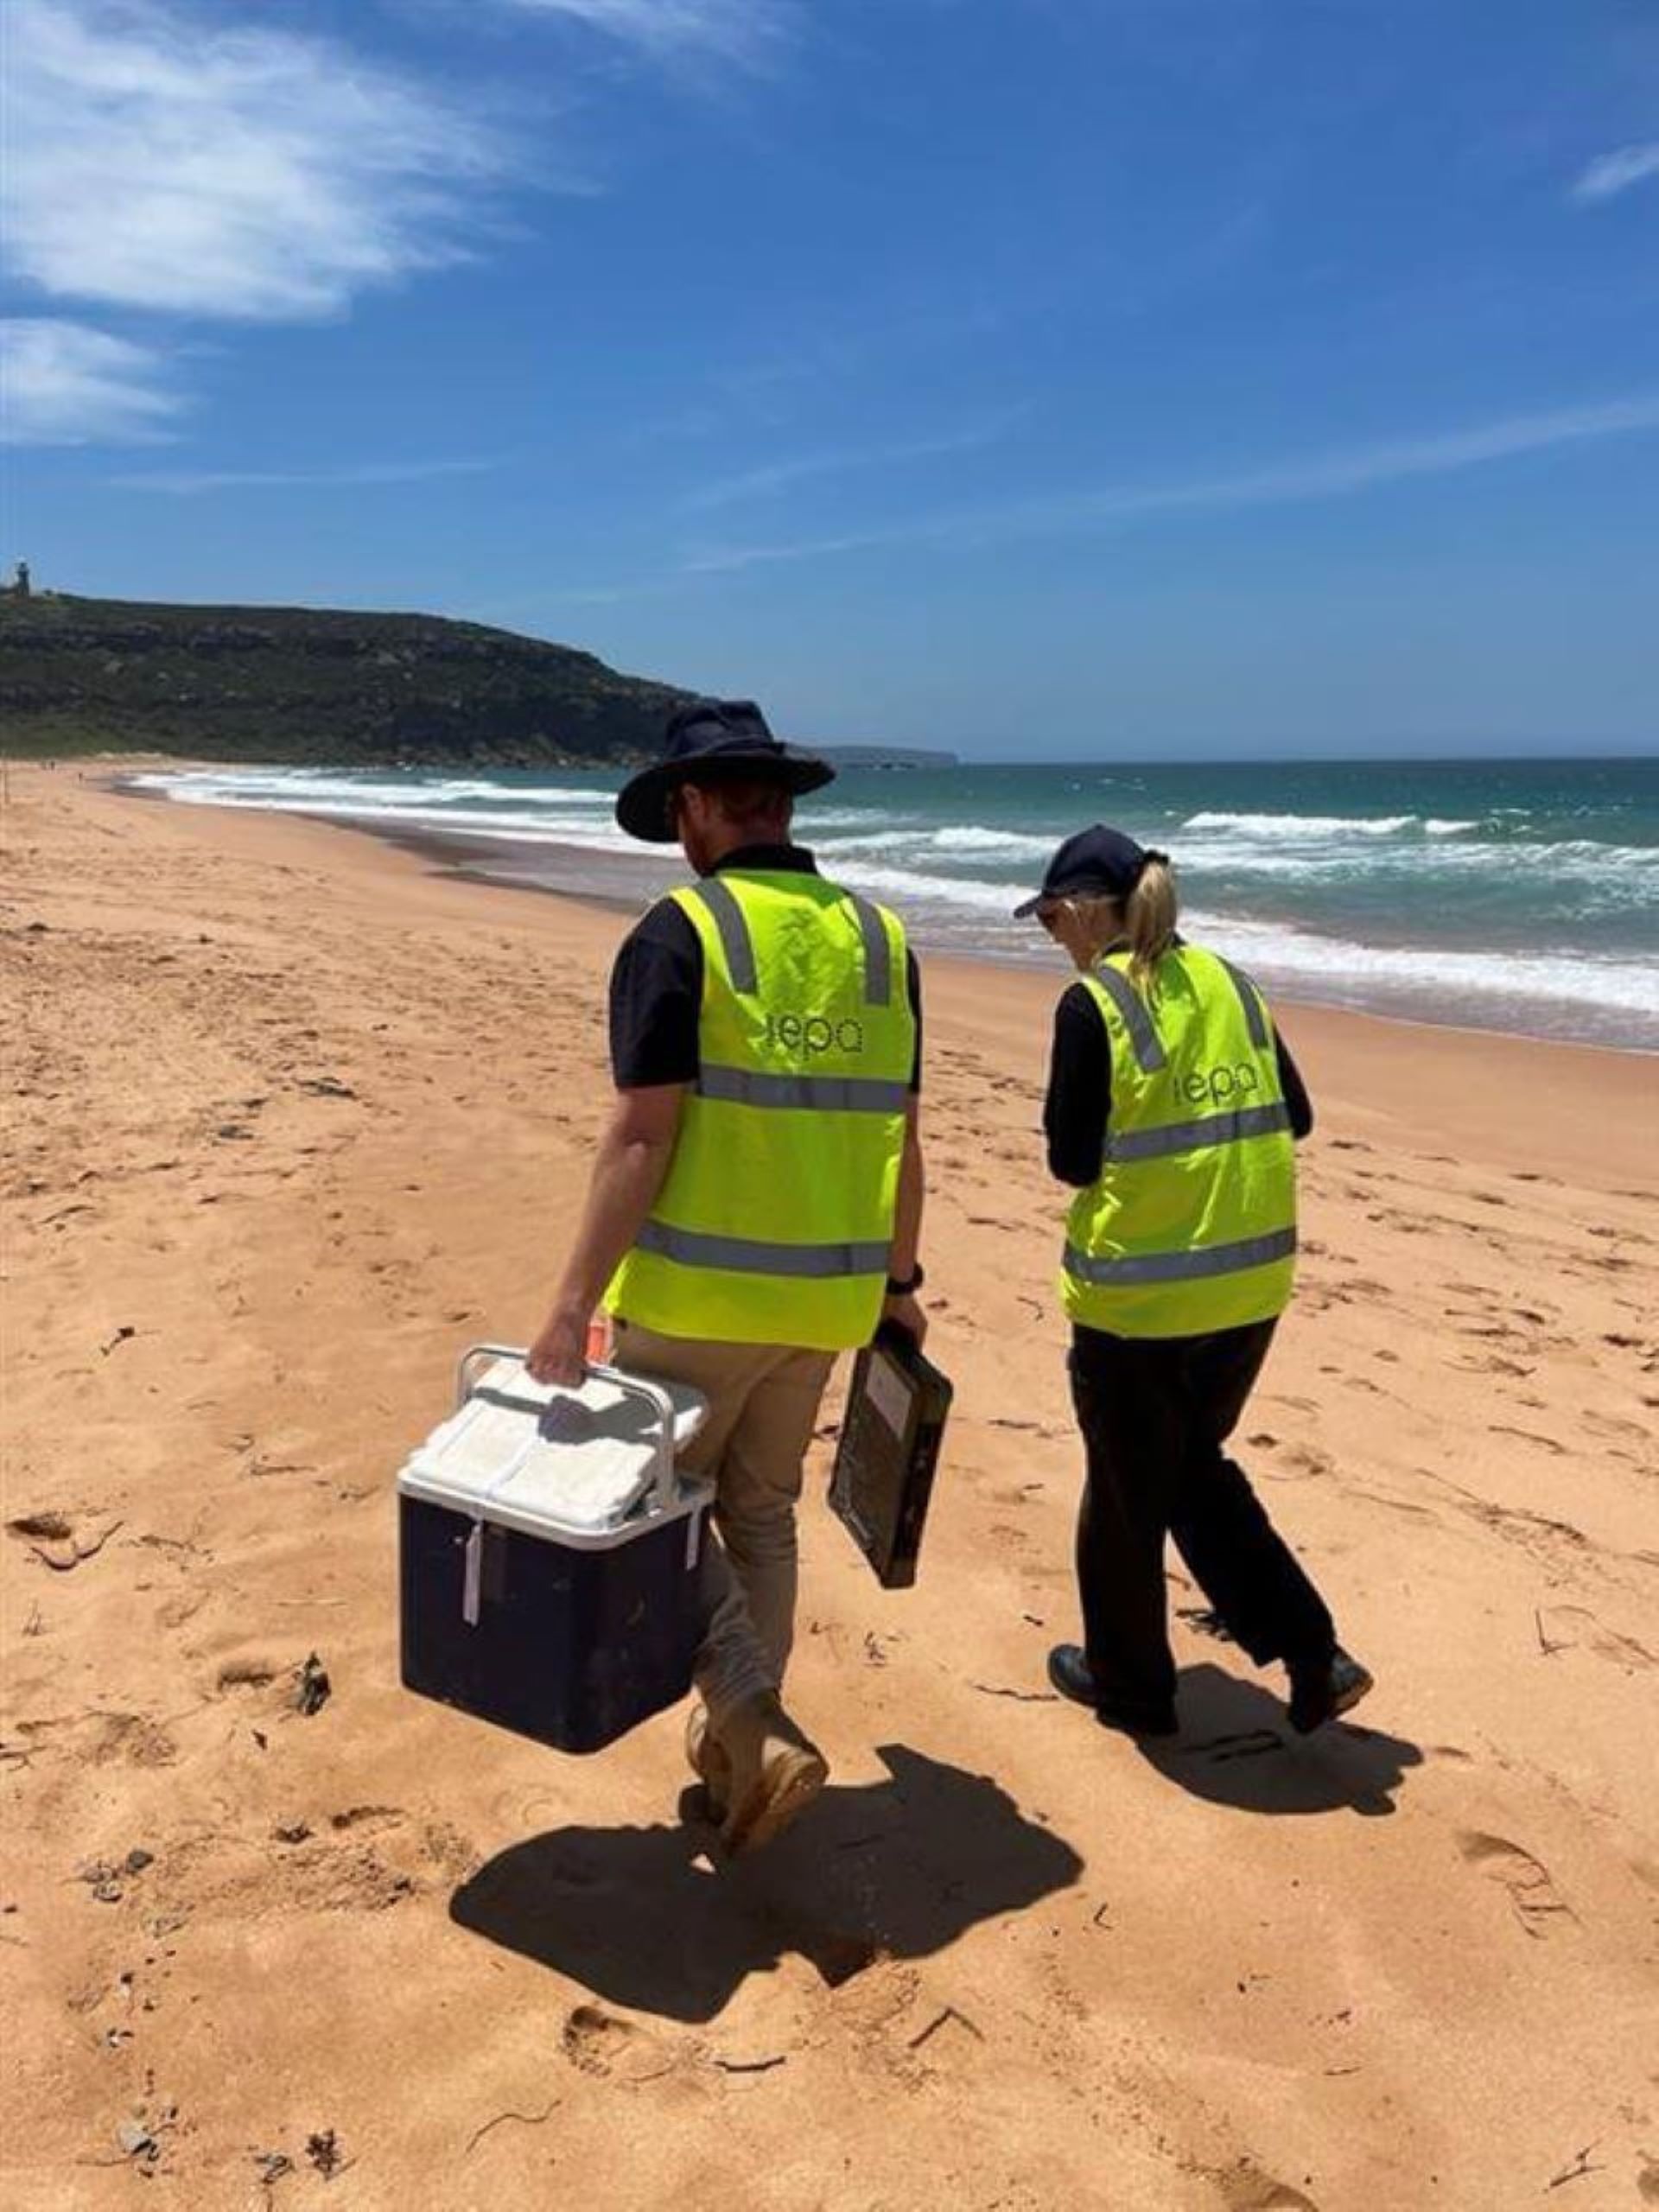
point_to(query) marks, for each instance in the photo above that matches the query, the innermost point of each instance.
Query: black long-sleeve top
(1079, 1102)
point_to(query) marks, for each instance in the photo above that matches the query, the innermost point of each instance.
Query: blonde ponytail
(1149, 917)
(1145, 919)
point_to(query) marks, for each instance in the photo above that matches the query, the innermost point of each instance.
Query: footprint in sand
(1245, 2188)
(873, 1996)
(336, 1873)
(598, 2042)
(1566, 1626)
(1301, 1463)
(453, 1855)
(367, 1820)
(1535, 1901)
(130, 1739)
(42, 1528)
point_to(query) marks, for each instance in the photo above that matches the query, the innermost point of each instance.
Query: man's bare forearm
(627, 1175)
(632, 1160)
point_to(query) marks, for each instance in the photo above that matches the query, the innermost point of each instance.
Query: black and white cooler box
(548, 1552)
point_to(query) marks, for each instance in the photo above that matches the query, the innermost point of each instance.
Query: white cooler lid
(548, 1460)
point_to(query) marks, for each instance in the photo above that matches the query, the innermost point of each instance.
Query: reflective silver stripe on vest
(811, 1263)
(1143, 1038)
(1250, 999)
(738, 947)
(1181, 1267)
(878, 954)
(824, 1094)
(734, 937)
(1194, 1136)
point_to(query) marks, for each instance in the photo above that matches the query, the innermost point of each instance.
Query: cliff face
(276, 683)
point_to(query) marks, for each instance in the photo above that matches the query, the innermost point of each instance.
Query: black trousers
(1155, 1413)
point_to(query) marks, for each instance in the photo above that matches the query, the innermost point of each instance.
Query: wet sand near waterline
(290, 1120)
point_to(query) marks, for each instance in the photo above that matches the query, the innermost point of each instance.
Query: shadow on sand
(1236, 1748)
(638, 1917)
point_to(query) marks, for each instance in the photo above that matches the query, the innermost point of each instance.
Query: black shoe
(1070, 1672)
(1320, 1691)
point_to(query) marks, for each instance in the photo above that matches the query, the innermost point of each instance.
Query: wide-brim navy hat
(1097, 862)
(707, 739)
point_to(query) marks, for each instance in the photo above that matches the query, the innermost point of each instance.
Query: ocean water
(1513, 895)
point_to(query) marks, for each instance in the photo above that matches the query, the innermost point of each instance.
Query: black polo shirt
(1079, 1099)
(657, 983)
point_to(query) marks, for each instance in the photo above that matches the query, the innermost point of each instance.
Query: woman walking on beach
(1173, 1110)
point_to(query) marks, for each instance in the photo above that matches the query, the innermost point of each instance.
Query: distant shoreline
(48, 753)
(618, 883)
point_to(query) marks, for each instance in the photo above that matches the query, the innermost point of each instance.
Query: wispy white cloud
(778, 476)
(166, 159)
(1326, 476)
(747, 32)
(65, 384)
(1611, 174)
(184, 483)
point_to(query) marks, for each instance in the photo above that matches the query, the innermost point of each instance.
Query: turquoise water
(1519, 895)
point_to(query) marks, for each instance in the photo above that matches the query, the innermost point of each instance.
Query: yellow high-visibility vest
(774, 1222)
(1191, 1225)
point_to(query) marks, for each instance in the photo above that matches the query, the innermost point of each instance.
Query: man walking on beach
(756, 1203)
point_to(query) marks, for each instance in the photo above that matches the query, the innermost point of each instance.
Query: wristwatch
(896, 1289)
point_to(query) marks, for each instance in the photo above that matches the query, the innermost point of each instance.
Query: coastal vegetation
(308, 685)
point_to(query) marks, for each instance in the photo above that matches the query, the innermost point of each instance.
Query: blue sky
(1035, 376)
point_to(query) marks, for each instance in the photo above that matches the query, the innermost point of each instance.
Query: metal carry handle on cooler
(634, 1386)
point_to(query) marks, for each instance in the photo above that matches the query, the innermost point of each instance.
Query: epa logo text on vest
(813, 1032)
(1217, 1084)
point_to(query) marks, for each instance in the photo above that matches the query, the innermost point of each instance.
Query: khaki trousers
(763, 1403)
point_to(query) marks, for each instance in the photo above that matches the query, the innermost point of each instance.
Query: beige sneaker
(773, 1773)
(707, 1758)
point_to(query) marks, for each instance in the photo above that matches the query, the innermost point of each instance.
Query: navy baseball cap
(1097, 862)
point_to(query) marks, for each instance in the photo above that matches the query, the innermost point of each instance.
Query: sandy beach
(292, 1119)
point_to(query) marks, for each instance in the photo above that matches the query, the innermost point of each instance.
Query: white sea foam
(913, 888)
(298, 787)
(405, 806)
(1002, 844)
(892, 841)
(963, 842)
(1303, 825)
(958, 882)
(1358, 974)
(1337, 968)
(599, 834)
